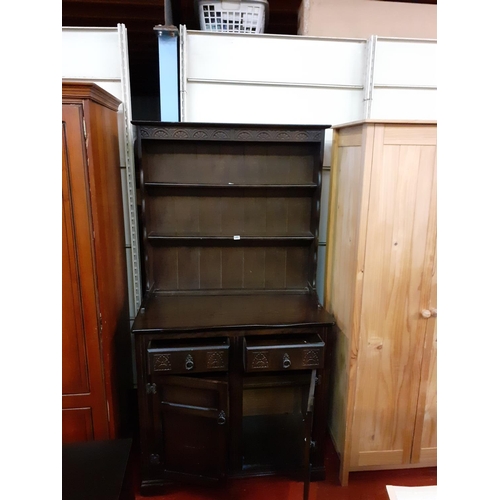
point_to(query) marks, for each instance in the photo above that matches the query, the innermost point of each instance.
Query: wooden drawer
(188, 356)
(278, 353)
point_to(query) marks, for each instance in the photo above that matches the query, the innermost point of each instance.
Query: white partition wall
(100, 55)
(236, 78)
(271, 78)
(403, 80)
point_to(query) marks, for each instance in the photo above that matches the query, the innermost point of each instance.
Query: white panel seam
(411, 40)
(278, 84)
(116, 79)
(402, 86)
(278, 37)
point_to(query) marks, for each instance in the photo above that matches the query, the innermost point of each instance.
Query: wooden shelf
(194, 238)
(228, 310)
(308, 185)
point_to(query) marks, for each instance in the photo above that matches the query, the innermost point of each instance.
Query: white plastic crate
(244, 16)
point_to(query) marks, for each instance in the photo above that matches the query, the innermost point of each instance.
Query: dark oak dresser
(233, 348)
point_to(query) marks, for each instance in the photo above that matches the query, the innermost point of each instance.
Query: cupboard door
(191, 423)
(425, 440)
(396, 285)
(83, 397)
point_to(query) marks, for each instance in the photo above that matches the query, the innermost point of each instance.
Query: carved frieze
(230, 134)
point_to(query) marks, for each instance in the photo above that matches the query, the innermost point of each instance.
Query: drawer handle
(221, 419)
(189, 362)
(286, 361)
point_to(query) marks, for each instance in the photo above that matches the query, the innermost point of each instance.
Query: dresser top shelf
(211, 312)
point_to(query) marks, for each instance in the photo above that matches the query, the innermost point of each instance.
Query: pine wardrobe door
(395, 286)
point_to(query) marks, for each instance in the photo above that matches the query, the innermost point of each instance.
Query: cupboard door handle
(286, 361)
(189, 362)
(221, 419)
(428, 313)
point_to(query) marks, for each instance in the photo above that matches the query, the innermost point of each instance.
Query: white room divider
(238, 78)
(233, 78)
(263, 78)
(100, 55)
(402, 79)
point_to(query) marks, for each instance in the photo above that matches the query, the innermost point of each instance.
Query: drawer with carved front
(283, 352)
(188, 356)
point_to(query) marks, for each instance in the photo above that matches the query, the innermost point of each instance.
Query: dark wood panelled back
(229, 207)
(231, 162)
(196, 212)
(225, 268)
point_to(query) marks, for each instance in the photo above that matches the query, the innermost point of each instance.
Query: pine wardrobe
(380, 285)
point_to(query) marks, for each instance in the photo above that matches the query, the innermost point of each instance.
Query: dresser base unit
(227, 396)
